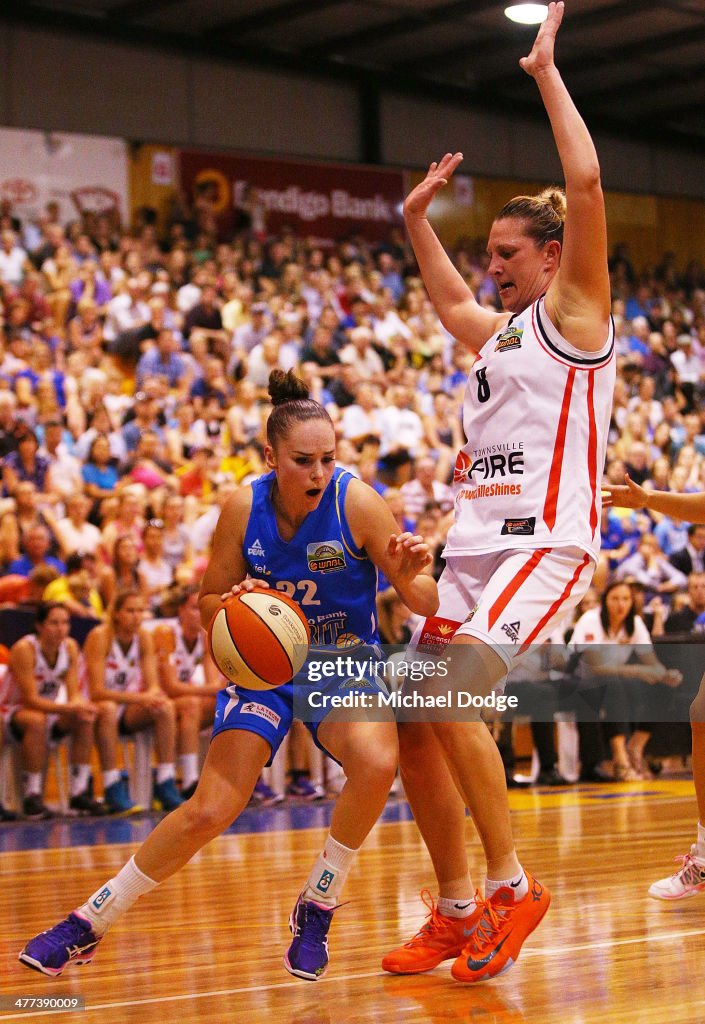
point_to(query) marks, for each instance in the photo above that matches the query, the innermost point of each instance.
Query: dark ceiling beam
(505, 44)
(415, 21)
(138, 8)
(32, 15)
(271, 16)
(653, 86)
(637, 51)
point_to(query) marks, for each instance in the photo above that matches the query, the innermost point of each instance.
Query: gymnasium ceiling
(635, 67)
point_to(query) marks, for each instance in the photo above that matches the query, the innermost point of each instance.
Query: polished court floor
(207, 946)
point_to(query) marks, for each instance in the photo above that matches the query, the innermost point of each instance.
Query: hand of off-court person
(629, 495)
(541, 56)
(438, 175)
(245, 587)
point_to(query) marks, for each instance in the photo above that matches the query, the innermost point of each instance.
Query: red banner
(325, 201)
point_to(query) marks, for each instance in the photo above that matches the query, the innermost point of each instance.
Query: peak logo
(512, 630)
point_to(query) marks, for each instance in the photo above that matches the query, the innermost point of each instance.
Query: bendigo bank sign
(326, 201)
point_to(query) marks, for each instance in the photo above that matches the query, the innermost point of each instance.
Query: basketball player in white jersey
(121, 671)
(45, 705)
(689, 880)
(190, 678)
(523, 548)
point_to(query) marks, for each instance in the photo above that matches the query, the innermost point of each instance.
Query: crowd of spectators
(133, 399)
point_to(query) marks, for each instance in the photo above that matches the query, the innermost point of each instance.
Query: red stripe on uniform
(592, 450)
(553, 610)
(511, 589)
(554, 477)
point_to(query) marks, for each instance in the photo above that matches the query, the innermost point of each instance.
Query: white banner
(79, 172)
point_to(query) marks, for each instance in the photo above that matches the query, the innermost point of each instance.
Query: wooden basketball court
(208, 945)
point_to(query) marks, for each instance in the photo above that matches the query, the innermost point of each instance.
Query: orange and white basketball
(259, 639)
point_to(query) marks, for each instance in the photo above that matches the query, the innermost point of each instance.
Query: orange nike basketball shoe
(499, 932)
(440, 938)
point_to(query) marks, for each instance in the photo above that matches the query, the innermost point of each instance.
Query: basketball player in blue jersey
(303, 517)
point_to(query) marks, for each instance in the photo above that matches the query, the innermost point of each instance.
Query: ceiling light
(527, 14)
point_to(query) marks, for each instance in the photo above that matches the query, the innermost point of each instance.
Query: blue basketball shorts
(269, 713)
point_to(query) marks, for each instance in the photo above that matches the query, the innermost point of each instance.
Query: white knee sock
(189, 769)
(329, 873)
(111, 901)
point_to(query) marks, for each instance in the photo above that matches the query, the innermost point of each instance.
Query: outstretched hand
(629, 495)
(438, 175)
(541, 56)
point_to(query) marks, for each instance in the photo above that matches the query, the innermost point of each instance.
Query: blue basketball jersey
(321, 567)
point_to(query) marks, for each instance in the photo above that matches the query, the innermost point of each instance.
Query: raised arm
(454, 302)
(578, 298)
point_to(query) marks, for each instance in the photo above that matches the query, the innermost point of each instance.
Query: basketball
(259, 639)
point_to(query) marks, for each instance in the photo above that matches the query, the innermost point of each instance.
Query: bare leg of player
(367, 752)
(235, 760)
(689, 880)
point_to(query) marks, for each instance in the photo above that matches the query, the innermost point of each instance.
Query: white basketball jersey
(185, 661)
(122, 670)
(51, 680)
(536, 415)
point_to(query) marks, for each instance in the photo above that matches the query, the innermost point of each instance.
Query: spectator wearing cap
(162, 360)
(689, 369)
(360, 354)
(254, 331)
(146, 413)
(36, 543)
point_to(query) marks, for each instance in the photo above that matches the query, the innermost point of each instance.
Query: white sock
(189, 769)
(519, 885)
(111, 901)
(32, 783)
(701, 841)
(164, 772)
(78, 780)
(451, 907)
(110, 777)
(329, 873)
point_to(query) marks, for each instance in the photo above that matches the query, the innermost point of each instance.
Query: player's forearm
(208, 606)
(445, 286)
(576, 149)
(690, 507)
(420, 595)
